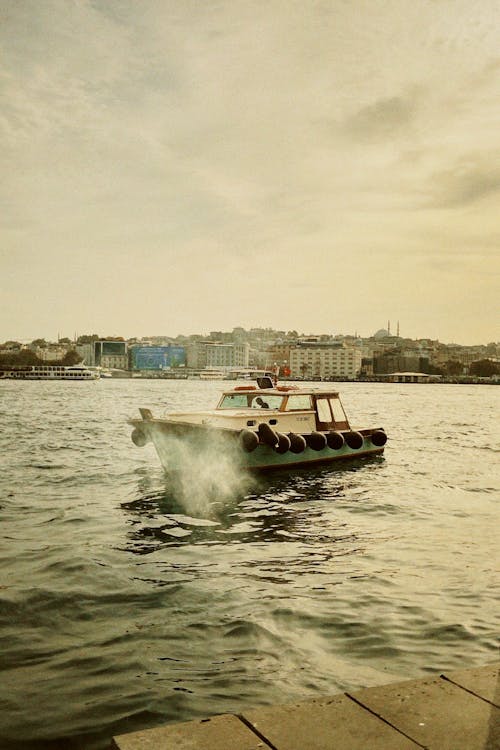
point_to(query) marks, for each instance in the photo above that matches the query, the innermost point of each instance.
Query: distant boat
(212, 375)
(263, 426)
(49, 372)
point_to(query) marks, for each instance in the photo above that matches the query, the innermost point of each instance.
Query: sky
(177, 167)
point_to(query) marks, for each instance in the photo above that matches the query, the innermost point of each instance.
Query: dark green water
(128, 600)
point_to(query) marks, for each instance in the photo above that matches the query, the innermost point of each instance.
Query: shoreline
(457, 709)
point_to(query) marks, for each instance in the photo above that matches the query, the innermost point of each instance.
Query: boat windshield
(234, 401)
(254, 400)
(299, 402)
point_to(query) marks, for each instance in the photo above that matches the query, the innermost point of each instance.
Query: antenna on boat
(275, 372)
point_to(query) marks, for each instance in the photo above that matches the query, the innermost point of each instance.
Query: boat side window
(338, 411)
(298, 403)
(266, 401)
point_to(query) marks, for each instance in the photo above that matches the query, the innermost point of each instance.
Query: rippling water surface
(130, 599)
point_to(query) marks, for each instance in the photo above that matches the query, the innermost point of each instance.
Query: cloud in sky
(181, 167)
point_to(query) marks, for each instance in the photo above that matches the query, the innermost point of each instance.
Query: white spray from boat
(204, 475)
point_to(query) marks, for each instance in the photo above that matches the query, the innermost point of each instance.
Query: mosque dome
(381, 334)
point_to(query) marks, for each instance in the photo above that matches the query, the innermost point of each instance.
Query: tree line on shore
(28, 358)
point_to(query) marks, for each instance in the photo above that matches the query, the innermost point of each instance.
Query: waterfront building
(215, 355)
(228, 355)
(156, 357)
(196, 355)
(324, 361)
(399, 362)
(111, 354)
(259, 358)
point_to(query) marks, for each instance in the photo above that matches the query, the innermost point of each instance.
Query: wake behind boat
(259, 427)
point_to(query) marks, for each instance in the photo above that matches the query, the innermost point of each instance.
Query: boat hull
(265, 458)
(178, 444)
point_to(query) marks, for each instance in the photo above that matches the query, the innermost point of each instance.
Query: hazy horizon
(179, 168)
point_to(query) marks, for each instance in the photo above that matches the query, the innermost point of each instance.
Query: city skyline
(273, 333)
(176, 166)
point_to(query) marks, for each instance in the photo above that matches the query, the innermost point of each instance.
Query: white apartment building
(241, 355)
(228, 355)
(325, 362)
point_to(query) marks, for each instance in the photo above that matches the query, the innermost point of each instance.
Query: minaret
(398, 330)
(389, 327)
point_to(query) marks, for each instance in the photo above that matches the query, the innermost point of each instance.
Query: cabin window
(266, 401)
(323, 408)
(338, 412)
(233, 401)
(298, 403)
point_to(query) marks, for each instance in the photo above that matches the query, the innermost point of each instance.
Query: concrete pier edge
(456, 710)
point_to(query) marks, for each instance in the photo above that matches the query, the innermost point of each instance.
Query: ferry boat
(259, 427)
(50, 372)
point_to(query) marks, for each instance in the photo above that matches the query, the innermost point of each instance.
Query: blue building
(157, 357)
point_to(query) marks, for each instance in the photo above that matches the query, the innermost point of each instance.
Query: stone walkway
(458, 710)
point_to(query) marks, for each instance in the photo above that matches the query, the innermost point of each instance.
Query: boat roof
(283, 390)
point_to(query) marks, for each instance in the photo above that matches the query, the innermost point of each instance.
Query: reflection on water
(273, 507)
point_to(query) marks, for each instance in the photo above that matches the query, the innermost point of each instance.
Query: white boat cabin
(284, 408)
(293, 409)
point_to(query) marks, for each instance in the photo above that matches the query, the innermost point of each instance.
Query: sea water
(129, 598)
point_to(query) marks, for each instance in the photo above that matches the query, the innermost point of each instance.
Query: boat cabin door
(330, 414)
(324, 419)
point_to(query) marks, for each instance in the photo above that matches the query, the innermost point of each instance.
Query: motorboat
(260, 427)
